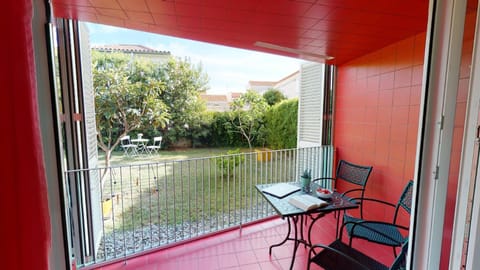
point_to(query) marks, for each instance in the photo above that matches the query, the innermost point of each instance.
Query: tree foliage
(222, 132)
(273, 96)
(281, 123)
(247, 116)
(183, 82)
(126, 91)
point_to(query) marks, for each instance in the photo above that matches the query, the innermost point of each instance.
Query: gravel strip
(120, 243)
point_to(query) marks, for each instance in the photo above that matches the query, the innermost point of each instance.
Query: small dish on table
(324, 193)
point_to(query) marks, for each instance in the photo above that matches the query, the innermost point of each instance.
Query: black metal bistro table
(296, 216)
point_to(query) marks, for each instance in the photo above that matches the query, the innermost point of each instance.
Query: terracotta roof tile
(264, 83)
(211, 98)
(236, 95)
(129, 48)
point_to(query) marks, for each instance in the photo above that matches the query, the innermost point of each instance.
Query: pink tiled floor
(245, 249)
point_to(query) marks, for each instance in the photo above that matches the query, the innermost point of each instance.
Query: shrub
(228, 164)
(281, 125)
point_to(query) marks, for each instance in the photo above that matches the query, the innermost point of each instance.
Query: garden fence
(136, 208)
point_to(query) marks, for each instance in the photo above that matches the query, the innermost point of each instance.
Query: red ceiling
(343, 29)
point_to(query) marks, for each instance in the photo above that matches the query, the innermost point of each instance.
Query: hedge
(281, 124)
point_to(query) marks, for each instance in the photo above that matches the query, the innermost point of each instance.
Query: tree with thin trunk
(126, 92)
(247, 116)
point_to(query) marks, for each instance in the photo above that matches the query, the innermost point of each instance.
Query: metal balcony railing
(137, 208)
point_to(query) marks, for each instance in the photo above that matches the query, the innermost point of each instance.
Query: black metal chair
(340, 256)
(351, 173)
(384, 233)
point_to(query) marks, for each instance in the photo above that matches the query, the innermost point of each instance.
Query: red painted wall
(376, 120)
(376, 114)
(25, 224)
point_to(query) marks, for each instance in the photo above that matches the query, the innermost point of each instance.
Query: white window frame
(466, 179)
(437, 117)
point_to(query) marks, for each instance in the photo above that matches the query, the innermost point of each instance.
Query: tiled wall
(376, 116)
(376, 119)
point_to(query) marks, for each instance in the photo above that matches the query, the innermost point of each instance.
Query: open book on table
(281, 190)
(306, 202)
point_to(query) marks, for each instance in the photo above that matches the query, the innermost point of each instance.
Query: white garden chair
(129, 149)
(157, 144)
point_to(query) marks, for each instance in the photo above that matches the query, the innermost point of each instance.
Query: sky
(229, 69)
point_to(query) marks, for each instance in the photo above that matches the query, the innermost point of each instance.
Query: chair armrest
(364, 224)
(374, 200)
(351, 190)
(323, 178)
(343, 255)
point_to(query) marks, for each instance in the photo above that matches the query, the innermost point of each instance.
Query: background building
(288, 85)
(219, 103)
(260, 86)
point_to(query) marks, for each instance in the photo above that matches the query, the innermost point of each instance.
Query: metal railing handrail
(193, 158)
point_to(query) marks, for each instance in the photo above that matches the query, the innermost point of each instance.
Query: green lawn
(118, 158)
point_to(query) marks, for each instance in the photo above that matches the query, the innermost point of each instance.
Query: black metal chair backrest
(405, 200)
(353, 173)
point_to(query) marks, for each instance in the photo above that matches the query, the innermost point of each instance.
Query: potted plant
(263, 154)
(107, 208)
(306, 178)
